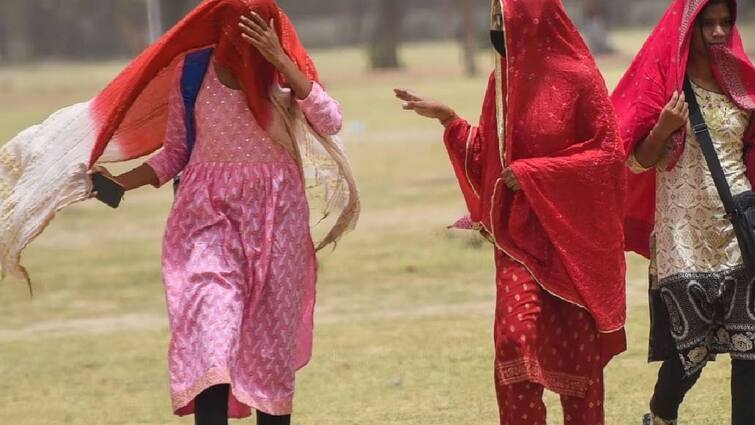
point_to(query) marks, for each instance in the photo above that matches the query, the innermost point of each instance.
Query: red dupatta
(132, 110)
(43, 168)
(558, 132)
(648, 85)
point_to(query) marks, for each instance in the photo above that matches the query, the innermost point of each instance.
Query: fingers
(406, 95)
(259, 33)
(509, 178)
(97, 169)
(250, 31)
(259, 22)
(255, 27)
(681, 105)
(255, 42)
(673, 102)
(412, 105)
(421, 107)
(677, 103)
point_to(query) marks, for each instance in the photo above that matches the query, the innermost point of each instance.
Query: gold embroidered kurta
(691, 231)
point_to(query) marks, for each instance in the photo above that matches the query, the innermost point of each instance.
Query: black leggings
(673, 385)
(211, 408)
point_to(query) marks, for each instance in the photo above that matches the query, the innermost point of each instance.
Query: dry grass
(405, 307)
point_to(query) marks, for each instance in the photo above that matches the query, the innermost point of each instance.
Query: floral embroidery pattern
(691, 231)
(741, 342)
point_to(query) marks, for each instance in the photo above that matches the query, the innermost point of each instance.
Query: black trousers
(673, 385)
(211, 408)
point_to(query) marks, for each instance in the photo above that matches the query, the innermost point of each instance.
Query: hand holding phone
(107, 190)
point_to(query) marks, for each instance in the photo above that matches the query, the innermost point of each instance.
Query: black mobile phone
(108, 191)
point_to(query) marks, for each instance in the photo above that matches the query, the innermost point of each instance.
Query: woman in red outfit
(543, 179)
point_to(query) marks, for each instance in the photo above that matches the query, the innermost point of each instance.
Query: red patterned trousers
(543, 342)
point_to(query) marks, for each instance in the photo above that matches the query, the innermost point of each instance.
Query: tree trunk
(154, 20)
(596, 27)
(173, 11)
(17, 46)
(3, 39)
(358, 12)
(468, 36)
(383, 50)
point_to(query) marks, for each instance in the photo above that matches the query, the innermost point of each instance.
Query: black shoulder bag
(740, 209)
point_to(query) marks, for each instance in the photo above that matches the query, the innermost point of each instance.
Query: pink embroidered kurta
(238, 260)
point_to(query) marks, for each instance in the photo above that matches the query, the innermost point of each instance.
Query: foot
(649, 419)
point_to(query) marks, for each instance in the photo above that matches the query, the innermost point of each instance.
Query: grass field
(404, 318)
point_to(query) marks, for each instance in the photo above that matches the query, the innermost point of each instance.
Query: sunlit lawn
(405, 307)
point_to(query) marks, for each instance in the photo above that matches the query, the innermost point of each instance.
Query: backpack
(192, 76)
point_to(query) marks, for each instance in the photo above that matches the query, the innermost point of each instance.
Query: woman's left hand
(263, 37)
(510, 179)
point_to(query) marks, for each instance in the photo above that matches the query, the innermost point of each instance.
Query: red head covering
(132, 110)
(561, 140)
(128, 120)
(648, 85)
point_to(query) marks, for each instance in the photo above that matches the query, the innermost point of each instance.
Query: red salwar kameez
(559, 241)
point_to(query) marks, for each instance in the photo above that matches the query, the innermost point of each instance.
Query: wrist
(121, 181)
(282, 62)
(447, 118)
(659, 135)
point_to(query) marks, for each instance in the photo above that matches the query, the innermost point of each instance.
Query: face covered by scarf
(547, 116)
(43, 169)
(133, 107)
(656, 73)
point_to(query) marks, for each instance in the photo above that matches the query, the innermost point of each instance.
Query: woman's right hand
(656, 147)
(425, 107)
(673, 117)
(98, 169)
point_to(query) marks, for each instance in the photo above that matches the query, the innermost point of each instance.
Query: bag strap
(700, 127)
(194, 69)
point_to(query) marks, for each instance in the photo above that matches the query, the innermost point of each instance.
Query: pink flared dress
(238, 260)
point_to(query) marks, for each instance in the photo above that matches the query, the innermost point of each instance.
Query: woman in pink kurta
(239, 262)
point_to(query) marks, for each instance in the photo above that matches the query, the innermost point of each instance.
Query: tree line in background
(103, 29)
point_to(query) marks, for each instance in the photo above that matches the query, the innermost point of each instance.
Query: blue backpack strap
(194, 70)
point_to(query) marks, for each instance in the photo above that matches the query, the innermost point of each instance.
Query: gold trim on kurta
(466, 162)
(500, 102)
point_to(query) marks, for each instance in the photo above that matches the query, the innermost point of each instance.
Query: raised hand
(425, 107)
(657, 145)
(263, 36)
(674, 116)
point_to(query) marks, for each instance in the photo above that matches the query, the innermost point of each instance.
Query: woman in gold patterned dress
(701, 297)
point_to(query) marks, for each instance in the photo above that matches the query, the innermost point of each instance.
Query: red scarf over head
(132, 110)
(561, 140)
(648, 85)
